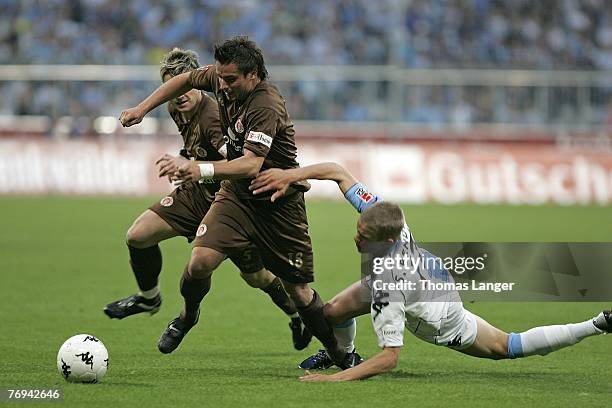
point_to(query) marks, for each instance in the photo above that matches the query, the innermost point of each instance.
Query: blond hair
(178, 61)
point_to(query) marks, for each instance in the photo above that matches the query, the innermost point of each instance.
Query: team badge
(201, 152)
(239, 128)
(364, 195)
(201, 230)
(166, 201)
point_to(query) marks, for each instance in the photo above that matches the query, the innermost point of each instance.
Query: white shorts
(456, 330)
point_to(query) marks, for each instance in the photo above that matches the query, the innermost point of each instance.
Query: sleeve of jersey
(203, 78)
(214, 133)
(389, 325)
(261, 130)
(360, 198)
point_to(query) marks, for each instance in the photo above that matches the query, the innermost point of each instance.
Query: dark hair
(385, 220)
(244, 53)
(178, 61)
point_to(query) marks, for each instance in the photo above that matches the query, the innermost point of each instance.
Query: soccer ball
(82, 358)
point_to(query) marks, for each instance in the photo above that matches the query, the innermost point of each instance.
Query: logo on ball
(201, 230)
(82, 358)
(167, 201)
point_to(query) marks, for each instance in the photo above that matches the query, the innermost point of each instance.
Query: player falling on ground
(260, 135)
(446, 323)
(179, 214)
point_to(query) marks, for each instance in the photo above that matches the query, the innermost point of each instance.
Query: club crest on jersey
(166, 201)
(364, 195)
(238, 126)
(201, 230)
(201, 152)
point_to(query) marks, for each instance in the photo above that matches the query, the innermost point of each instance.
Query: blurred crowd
(543, 34)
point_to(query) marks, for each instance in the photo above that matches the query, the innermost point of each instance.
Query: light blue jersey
(437, 317)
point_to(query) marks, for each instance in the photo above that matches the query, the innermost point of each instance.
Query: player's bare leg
(495, 344)
(272, 285)
(340, 311)
(149, 229)
(195, 284)
(490, 342)
(146, 261)
(352, 302)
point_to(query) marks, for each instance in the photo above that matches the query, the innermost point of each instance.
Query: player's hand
(131, 116)
(168, 165)
(271, 180)
(188, 171)
(307, 377)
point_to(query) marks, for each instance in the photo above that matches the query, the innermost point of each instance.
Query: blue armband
(360, 198)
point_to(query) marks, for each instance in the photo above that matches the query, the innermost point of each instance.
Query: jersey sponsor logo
(364, 195)
(238, 126)
(201, 230)
(260, 137)
(166, 201)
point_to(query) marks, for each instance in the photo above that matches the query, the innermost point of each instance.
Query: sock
(546, 339)
(312, 316)
(146, 264)
(345, 333)
(150, 294)
(279, 296)
(193, 291)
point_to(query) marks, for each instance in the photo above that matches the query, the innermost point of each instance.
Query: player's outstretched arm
(382, 362)
(279, 180)
(246, 166)
(172, 88)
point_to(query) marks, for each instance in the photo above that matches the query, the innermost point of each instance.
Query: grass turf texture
(64, 259)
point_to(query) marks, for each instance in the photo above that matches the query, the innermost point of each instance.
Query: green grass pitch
(64, 259)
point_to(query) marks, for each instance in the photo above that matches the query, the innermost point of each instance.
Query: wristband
(207, 170)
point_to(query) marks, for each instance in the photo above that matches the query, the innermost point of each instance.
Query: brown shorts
(185, 207)
(279, 230)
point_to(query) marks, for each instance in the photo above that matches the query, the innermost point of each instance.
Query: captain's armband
(360, 198)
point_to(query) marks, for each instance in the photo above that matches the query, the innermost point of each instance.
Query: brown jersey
(202, 136)
(260, 123)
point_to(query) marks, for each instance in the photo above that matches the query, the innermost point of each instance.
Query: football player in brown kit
(260, 135)
(180, 213)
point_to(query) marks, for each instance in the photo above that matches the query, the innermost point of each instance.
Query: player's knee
(201, 264)
(339, 309)
(331, 311)
(137, 237)
(499, 351)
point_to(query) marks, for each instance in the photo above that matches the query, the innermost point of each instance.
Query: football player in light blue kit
(439, 321)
